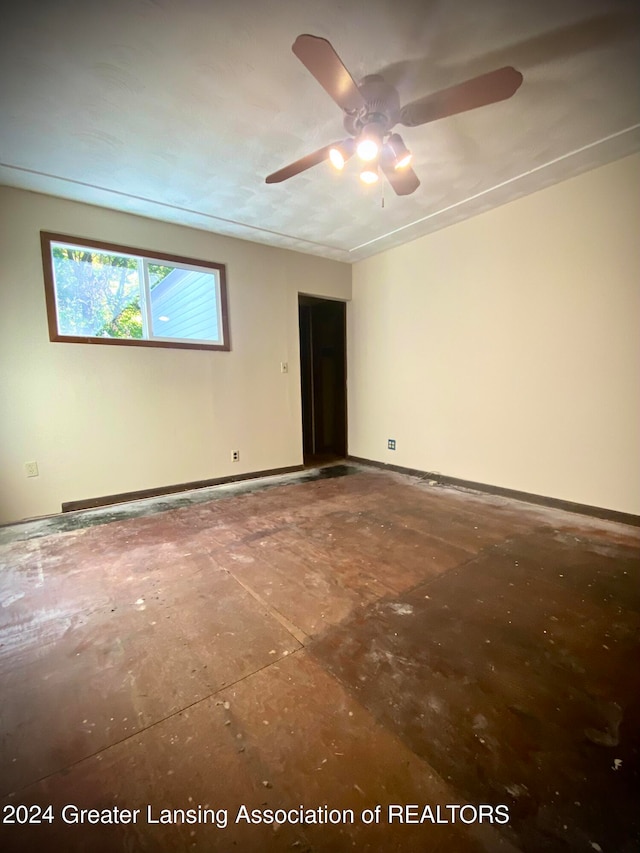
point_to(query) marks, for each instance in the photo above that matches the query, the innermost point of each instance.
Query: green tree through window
(97, 294)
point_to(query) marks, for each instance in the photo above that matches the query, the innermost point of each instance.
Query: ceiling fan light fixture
(339, 154)
(367, 150)
(369, 175)
(337, 159)
(401, 154)
(369, 143)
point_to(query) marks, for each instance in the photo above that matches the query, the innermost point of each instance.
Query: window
(105, 294)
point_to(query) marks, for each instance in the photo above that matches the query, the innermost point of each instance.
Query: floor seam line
(144, 729)
(297, 633)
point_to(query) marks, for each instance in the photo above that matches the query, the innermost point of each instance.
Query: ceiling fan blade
(478, 92)
(319, 57)
(404, 181)
(302, 164)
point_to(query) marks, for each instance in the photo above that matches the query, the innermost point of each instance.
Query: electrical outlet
(235, 455)
(391, 444)
(31, 469)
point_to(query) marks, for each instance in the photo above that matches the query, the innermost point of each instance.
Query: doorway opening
(323, 336)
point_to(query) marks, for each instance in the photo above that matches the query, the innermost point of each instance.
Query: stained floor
(348, 642)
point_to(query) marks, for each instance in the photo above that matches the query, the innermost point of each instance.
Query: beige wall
(101, 420)
(506, 349)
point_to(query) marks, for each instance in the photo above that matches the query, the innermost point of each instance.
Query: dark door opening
(323, 378)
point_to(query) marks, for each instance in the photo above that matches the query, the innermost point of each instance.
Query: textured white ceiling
(179, 109)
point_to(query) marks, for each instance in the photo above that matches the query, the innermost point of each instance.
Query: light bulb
(399, 151)
(368, 176)
(337, 160)
(369, 142)
(368, 149)
(339, 154)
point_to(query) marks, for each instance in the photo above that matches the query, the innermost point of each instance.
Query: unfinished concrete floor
(349, 641)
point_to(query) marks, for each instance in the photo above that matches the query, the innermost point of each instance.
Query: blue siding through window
(188, 301)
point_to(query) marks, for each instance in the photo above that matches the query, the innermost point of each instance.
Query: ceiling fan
(372, 108)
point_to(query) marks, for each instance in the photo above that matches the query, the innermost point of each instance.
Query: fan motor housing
(382, 106)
